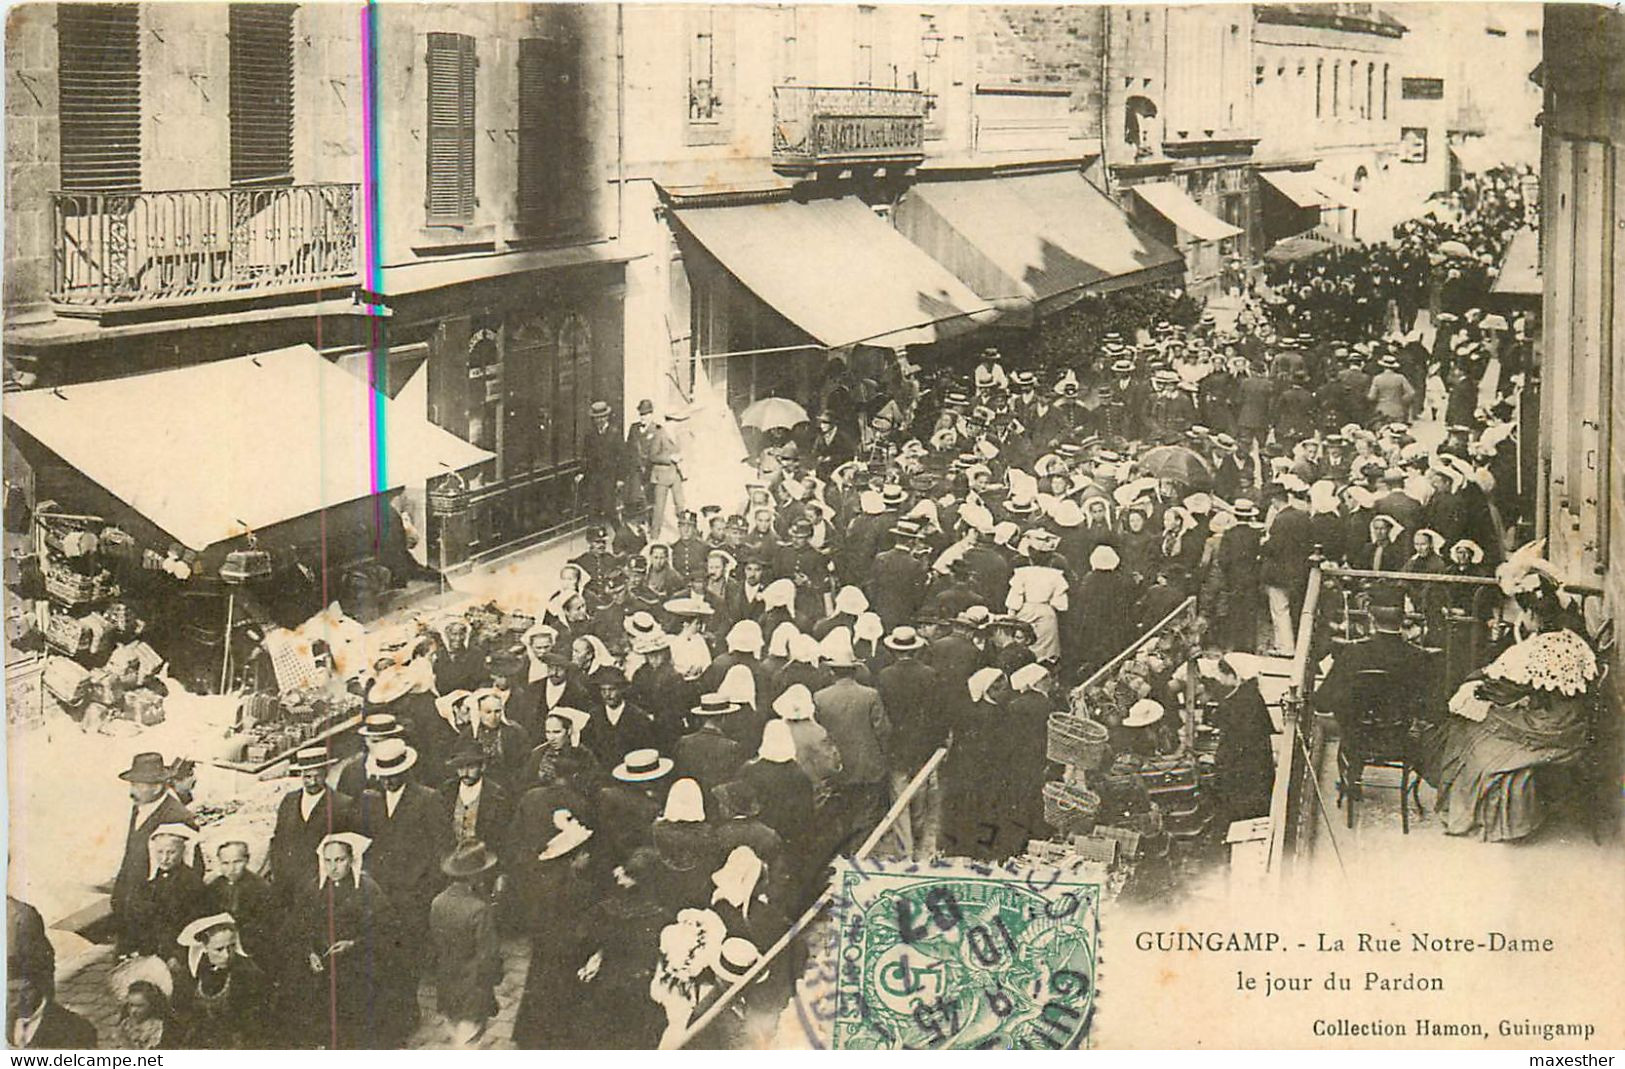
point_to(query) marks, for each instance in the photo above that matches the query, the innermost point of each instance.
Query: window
(1258, 74)
(1320, 77)
(864, 73)
(1413, 144)
(99, 86)
(551, 147)
(1421, 88)
(1337, 88)
(1370, 85)
(450, 184)
(261, 94)
(1385, 92)
(789, 44)
(704, 102)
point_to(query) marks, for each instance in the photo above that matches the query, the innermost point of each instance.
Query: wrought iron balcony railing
(120, 249)
(816, 126)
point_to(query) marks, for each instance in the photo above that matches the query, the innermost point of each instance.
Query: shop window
(261, 92)
(99, 91)
(450, 150)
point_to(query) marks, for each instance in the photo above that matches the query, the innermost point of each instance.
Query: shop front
(512, 364)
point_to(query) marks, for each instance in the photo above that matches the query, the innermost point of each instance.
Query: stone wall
(32, 133)
(1045, 46)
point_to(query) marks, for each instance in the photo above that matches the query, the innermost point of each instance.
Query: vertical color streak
(372, 266)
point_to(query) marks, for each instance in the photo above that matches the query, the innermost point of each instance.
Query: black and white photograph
(830, 526)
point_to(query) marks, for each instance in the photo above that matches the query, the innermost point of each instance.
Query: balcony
(123, 251)
(846, 126)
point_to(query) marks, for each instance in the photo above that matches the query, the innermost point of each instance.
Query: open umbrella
(773, 413)
(1456, 248)
(1178, 463)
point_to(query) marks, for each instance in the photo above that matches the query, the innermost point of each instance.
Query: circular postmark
(954, 957)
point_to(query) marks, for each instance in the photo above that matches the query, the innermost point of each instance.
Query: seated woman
(1529, 708)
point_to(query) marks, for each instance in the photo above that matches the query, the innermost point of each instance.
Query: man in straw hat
(856, 720)
(409, 828)
(151, 806)
(911, 691)
(304, 816)
(707, 754)
(467, 950)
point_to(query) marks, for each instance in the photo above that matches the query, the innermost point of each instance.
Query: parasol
(1178, 463)
(773, 413)
(1456, 248)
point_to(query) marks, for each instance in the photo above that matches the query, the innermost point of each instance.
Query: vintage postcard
(831, 526)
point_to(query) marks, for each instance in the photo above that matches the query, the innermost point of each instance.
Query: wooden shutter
(261, 94)
(450, 195)
(99, 83)
(551, 148)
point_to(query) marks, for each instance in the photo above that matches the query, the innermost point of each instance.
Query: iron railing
(817, 125)
(128, 248)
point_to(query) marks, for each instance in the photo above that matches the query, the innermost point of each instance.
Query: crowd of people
(647, 781)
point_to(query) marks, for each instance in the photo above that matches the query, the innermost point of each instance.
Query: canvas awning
(1044, 239)
(1309, 243)
(209, 451)
(1296, 186)
(1171, 202)
(1520, 267)
(1335, 192)
(837, 271)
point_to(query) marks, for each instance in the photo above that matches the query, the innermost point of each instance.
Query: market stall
(181, 516)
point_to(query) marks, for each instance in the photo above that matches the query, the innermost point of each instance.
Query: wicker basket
(1070, 810)
(1076, 741)
(450, 498)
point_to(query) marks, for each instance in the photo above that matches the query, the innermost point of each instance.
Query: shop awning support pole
(225, 644)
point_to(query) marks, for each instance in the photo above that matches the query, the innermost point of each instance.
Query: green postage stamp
(961, 956)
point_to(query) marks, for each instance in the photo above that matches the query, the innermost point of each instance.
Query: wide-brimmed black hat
(146, 768)
(468, 752)
(468, 859)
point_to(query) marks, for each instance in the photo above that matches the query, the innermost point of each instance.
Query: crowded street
(1169, 582)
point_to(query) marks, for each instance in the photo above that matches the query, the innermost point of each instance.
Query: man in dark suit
(151, 807)
(1349, 684)
(34, 1020)
(480, 809)
(304, 817)
(617, 727)
(627, 808)
(1284, 563)
(706, 754)
(898, 578)
(913, 695)
(603, 465)
(411, 834)
(858, 726)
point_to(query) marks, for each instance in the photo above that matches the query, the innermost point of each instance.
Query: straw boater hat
(571, 834)
(642, 766)
(714, 705)
(310, 759)
(380, 726)
(392, 757)
(904, 639)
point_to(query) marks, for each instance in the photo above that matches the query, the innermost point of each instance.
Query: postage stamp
(962, 956)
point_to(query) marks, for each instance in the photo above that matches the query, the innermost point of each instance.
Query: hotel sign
(817, 126)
